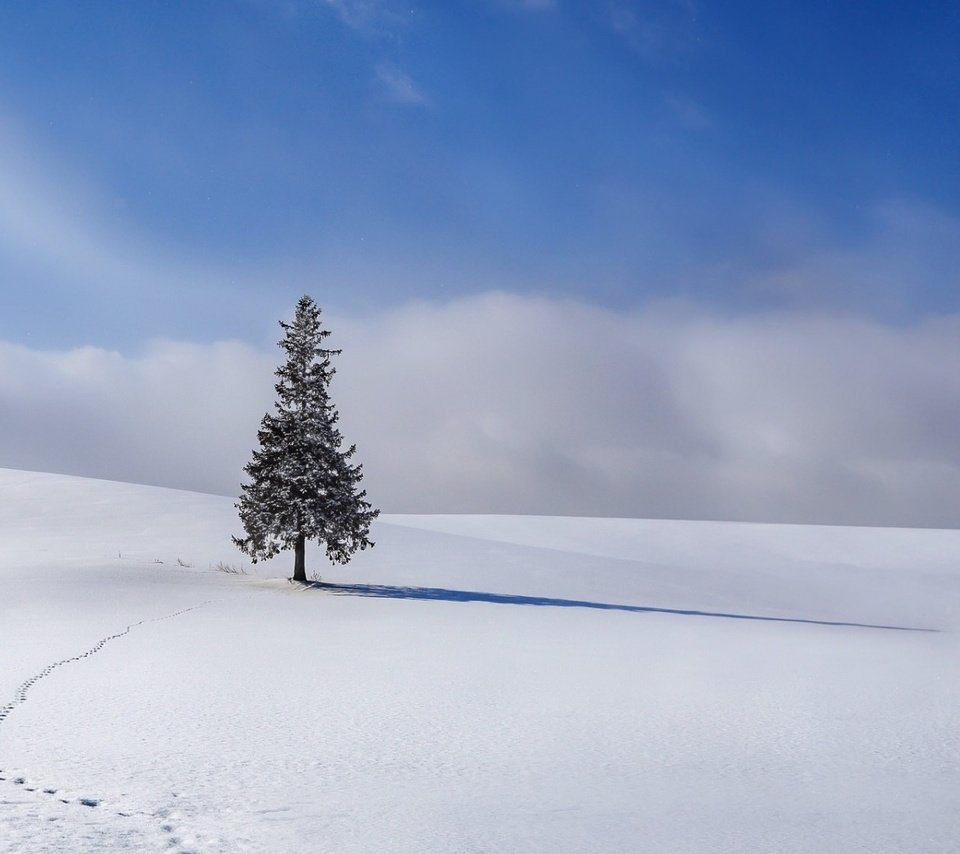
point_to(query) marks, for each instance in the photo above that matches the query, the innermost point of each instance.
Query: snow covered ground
(474, 684)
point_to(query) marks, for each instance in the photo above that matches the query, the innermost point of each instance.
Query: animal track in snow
(172, 837)
(20, 696)
(175, 840)
(29, 786)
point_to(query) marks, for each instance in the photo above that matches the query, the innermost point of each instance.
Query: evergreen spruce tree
(302, 485)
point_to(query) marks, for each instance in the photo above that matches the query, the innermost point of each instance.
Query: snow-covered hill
(472, 684)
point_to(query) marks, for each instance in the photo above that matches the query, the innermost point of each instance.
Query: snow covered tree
(302, 485)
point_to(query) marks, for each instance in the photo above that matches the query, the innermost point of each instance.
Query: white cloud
(904, 240)
(655, 29)
(61, 237)
(365, 15)
(399, 87)
(529, 5)
(501, 403)
(64, 247)
(179, 414)
(49, 222)
(688, 112)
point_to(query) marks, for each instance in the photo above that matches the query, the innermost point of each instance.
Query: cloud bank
(510, 404)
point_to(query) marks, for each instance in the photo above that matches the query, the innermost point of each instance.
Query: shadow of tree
(383, 591)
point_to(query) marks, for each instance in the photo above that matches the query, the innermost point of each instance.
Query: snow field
(278, 719)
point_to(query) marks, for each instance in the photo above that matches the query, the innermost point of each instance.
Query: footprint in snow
(20, 697)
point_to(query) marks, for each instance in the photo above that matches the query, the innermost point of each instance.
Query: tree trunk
(299, 562)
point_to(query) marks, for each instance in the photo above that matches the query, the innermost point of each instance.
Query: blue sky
(185, 170)
(630, 258)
